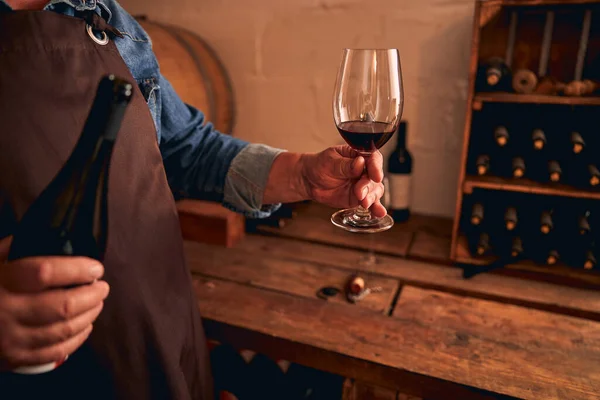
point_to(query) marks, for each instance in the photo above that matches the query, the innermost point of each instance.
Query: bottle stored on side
(495, 75)
(482, 164)
(400, 177)
(70, 216)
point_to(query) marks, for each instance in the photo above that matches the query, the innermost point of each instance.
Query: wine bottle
(510, 218)
(501, 136)
(399, 175)
(553, 257)
(583, 224)
(546, 222)
(496, 74)
(483, 245)
(554, 171)
(69, 217)
(518, 167)
(483, 164)
(539, 139)
(577, 142)
(516, 247)
(477, 214)
(590, 259)
(594, 175)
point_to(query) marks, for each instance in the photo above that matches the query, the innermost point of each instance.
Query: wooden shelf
(559, 273)
(527, 186)
(503, 97)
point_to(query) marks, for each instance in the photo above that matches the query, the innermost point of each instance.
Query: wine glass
(367, 106)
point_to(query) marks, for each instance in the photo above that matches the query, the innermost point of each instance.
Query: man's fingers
(349, 168)
(375, 167)
(36, 338)
(56, 352)
(346, 151)
(378, 210)
(60, 304)
(367, 191)
(34, 274)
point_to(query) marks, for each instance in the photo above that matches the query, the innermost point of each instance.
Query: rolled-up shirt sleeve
(203, 163)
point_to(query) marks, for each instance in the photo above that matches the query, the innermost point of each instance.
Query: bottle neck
(401, 143)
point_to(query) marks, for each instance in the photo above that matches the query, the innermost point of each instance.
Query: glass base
(348, 220)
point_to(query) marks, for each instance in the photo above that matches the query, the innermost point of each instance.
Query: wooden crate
(559, 41)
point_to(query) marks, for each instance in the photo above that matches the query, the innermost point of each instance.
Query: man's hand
(337, 177)
(40, 321)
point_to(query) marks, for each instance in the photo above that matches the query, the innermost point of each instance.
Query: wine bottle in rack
(554, 171)
(510, 218)
(483, 164)
(553, 257)
(590, 258)
(501, 135)
(516, 249)
(538, 139)
(494, 75)
(547, 221)
(483, 244)
(518, 167)
(477, 213)
(593, 175)
(583, 224)
(577, 142)
(399, 177)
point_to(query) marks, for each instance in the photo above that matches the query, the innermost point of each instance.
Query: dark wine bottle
(553, 257)
(517, 247)
(593, 175)
(477, 214)
(483, 245)
(69, 217)
(577, 142)
(589, 259)
(483, 164)
(583, 224)
(554, 171)
(495, 75)
(546, 222)
(399, 177)
(518, 167)
(538, 138)
(510, 218)
(501, 136)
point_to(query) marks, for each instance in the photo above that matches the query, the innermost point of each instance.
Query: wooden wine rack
(490, 38)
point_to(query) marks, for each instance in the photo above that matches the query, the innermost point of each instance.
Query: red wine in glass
(366, 136)
(368, 100)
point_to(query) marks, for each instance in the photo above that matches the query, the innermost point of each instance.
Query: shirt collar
(79, 5)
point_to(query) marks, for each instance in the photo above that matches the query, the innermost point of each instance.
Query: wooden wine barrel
(195, 71)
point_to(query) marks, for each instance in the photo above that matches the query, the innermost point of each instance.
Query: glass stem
(361, 212)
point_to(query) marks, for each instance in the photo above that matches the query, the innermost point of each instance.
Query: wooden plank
(528, 186)
(313, 223)
(507, 325)
(209, 222)
(428, 246)
(356, 390)
(295, 277)
(398, 353)
(536, 2)
(540, 295)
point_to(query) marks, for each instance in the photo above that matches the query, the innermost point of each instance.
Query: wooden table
(427, 333)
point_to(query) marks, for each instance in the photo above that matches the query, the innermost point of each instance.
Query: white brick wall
(283, 56)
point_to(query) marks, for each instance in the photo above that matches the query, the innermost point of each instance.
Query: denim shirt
(200, 162)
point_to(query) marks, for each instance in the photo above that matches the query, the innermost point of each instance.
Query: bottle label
(399, 188)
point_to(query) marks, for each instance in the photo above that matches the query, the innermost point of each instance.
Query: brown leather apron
(148, 341)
